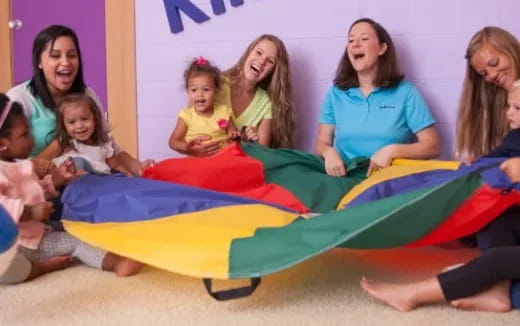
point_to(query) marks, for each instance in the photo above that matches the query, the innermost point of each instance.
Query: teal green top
(42, 120)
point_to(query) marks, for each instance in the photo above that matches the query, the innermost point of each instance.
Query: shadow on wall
(306, 107)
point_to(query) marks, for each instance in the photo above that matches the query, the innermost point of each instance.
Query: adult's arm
(420, 122)
(324, 147)
(201, 146)
(426, 147)
(262, 134)
(50, 152)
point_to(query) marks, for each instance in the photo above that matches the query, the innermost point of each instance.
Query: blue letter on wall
(219, 8)
(174, 17)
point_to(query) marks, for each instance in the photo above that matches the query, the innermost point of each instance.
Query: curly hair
(201, 66)
(278, 87)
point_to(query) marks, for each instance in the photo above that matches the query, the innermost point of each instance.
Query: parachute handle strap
(508, 189)
(231, 294)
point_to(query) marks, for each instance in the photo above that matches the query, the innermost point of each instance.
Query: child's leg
(62, 243)
(498, 264)
(485, 274)
(57, 243)
(504, 231)
(496, 299)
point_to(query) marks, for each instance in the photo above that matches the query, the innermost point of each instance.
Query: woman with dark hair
(371, 111)
(57, 72)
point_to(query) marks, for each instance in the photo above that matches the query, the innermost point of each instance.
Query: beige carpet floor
(322, 291)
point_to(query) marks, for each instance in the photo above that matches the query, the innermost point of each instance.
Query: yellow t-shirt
(199, 125)
(260, 107)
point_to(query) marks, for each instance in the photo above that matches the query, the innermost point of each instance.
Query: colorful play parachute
(216, 235)
(289, 178)
(8, 236)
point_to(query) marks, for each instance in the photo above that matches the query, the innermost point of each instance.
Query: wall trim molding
(6, 60)
(121, 73)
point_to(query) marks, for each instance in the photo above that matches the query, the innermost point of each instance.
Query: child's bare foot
(495, 299)
(395, 295)
(127, 267)
(52, 264)
(120, 265)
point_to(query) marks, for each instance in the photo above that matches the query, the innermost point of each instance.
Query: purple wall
(87, 18)
(431, 37)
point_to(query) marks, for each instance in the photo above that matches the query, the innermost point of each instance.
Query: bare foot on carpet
(393, 294)
(121, 266)
(494, 299)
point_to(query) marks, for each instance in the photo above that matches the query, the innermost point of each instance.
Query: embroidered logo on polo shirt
(386, 106)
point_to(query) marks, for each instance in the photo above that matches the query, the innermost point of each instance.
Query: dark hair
(388, 74)
(13, 115)
(38, 83)
(201, 66)
(99, 136)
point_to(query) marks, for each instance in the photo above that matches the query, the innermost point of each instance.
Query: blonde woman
(258, 89)
(493, 64)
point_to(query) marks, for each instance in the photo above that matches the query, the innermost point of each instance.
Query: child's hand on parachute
(147, 163)
(511, 168)
(250, 133)
(66, 172)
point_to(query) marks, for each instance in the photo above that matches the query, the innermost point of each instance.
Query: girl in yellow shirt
(203, 120)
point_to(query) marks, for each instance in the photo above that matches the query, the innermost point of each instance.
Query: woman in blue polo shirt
(371, 111)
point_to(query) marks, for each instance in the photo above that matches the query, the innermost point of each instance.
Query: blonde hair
(481, 125)
(278, 87)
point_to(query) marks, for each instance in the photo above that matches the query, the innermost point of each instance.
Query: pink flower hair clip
(201, 61)
(223, 123)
